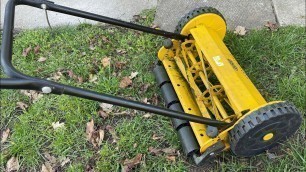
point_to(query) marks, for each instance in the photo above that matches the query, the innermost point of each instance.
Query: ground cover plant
(63, 133)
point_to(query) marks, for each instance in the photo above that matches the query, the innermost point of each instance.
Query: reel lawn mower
(213, 104)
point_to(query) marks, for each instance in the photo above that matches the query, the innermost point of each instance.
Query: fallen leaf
(112, 131)
(26, 51)
(5, 135)
(154, 26)
(240, 30)
(155, 151)
(155, 137)
(51, 159)
(105, 39)
(65, 161)
(271, 155)
(136, 18)
(121, 51)
(36, 49)
(121, 113)
(42, 59)
(144, 88)
(46, 168)
(101, 137)
(147, 115)
(80, 80)
(135, 145)
(169, 151)
(120, 65)
(58, 125)
(90, 129)
(12, 164)
(103, 114)
(33, 95)
(93, 78)
(56, 76)
(106, 61)
(133, 75)
(129, 164)
(92, 47)
(125, 82)
(106, 107)
(145, 100)
(22, 105)
(154, 99)
(272, 26)
(171, 158)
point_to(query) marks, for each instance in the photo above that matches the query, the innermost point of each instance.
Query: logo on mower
(218, 61)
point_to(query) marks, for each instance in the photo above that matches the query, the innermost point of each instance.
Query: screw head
(46, 90)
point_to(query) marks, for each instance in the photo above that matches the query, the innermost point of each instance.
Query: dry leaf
(93, 78)
(155, 137)
(22, 105)
(47, 168)
(144, 88)
(56, 76)
(57, 125)
(5, 135)
(271, 26)
(129, 164)
(51, 159)
(240, 30)
(154, 26)
(135, 145)
(92, 47)
(106, 107)
(42, 59)
(120, 65)
(125, 82)
(103, 114)
(171, 158)
(26, 51)
(90, 129)
(65, 161)
(169, 151)
(105, 39)
(120, 51)
(112, 131)
(36, 49)
(106, 61)
(133, 75)
(145, 100)
(33, 95)
(101, 137)
(271, 155)
(155, 151)
(12, 164)
(147, 115)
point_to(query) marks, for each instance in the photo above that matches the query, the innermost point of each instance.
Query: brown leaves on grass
(53, 164)
(12, 164)
(272, 26)
(36, 49)
(106, 61)
(129, 164)
(5, 135)
(75, 77)
(125, 82)
(33, 95)
(112, 131)
(240, 30)
(42, 59)
(22, 106)
(120, 65)
(57, 125)
(26, 51)
(156, 137)
(121, 51)
(94, 136)
(56, 76)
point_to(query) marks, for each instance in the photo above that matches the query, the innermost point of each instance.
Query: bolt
(44, 6)
(46, 90)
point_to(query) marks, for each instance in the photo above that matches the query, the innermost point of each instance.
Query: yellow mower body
(208, 80)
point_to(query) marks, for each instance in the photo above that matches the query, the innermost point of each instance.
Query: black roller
(184, 131)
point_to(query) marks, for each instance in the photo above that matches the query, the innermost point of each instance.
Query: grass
(273, 60)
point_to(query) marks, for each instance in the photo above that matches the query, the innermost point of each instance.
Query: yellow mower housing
(209, 82)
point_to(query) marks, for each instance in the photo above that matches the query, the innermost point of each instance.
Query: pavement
(251, 14)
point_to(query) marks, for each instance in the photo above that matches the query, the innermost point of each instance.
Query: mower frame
(19, 80)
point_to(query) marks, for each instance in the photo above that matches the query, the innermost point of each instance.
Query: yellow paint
(268, 136)
(194, 62)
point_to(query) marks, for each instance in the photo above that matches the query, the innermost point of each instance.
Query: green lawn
(275, 62)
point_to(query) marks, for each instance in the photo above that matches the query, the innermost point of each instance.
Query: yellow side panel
(241, 92)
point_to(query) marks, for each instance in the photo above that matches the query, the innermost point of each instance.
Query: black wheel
(264, 128)
(204, 15)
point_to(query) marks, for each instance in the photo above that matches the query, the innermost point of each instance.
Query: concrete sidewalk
(251, 14)
(248, 13)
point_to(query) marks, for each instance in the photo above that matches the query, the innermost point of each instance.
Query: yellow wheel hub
(268, 136)
(210, 20)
